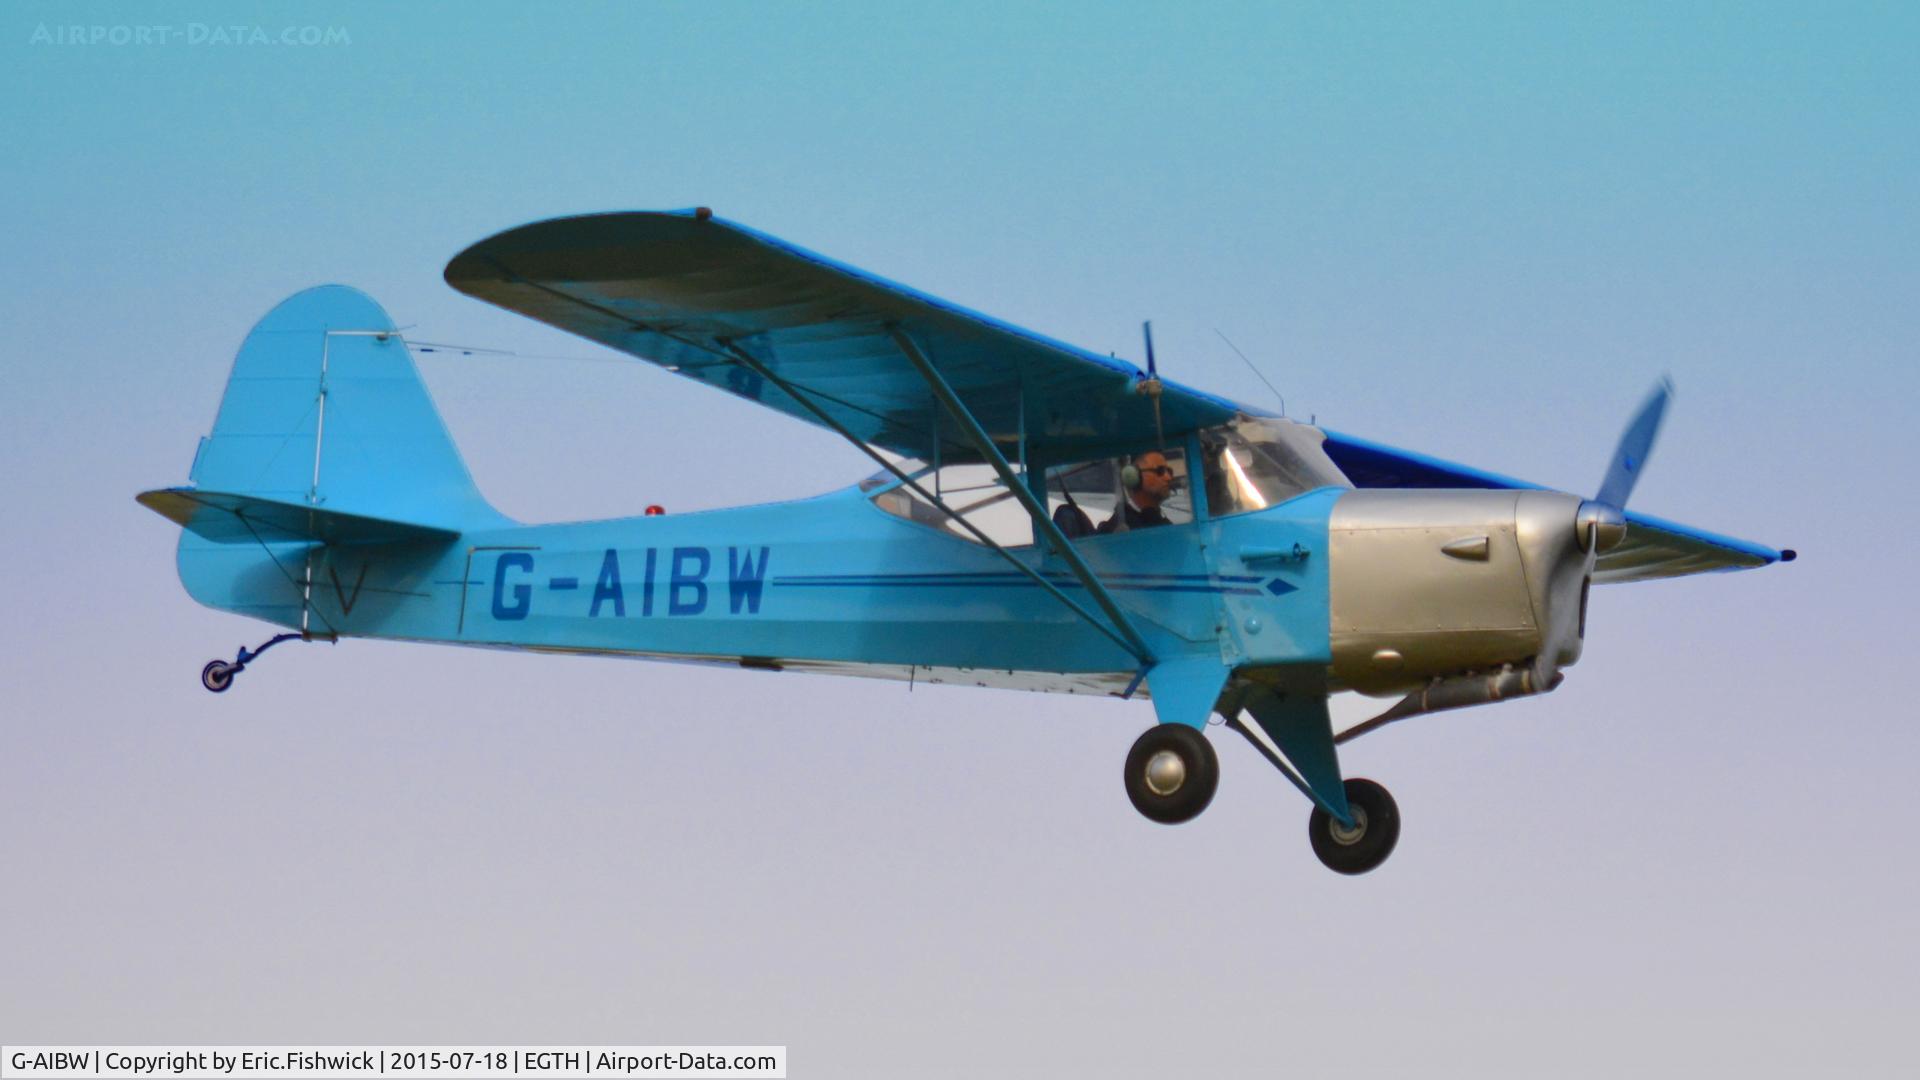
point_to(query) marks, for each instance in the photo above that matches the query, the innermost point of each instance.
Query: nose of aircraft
(1560, 538)
(1431, 584)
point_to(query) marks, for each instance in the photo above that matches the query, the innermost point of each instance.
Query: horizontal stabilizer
(227, 518)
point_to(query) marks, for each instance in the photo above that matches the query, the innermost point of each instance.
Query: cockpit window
(1248, 465)
(1252, 464)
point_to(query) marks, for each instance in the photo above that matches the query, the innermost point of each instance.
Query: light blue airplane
(1044, 518)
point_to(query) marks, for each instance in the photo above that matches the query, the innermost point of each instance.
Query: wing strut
(1130, 642)
(978, 437)
(727, 347)
(1127, 637)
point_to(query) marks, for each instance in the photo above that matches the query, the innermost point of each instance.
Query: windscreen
(1254, 463)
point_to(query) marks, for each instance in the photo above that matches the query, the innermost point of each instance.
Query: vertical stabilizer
(326, 439)
(325, 407)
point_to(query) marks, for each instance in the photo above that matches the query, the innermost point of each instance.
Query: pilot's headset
(1130, 475)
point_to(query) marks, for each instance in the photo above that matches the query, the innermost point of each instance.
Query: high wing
(684, 289)
(695, 294)
(1654, 548)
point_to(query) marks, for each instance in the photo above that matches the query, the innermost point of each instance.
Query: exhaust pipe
(1458, 692)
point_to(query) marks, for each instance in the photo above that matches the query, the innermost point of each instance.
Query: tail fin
(325, 408)
(326, 437)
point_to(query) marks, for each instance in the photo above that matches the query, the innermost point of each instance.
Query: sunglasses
(1162, 470)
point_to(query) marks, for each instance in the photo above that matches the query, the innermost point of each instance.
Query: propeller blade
(1147, 329)
(1636, 443)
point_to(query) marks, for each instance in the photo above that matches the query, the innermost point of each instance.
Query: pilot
(1149, 482)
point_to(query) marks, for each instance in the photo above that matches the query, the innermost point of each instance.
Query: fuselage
(830, 583)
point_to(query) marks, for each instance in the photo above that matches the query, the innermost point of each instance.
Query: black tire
(1199, 766)
(1357, 851)
(217, 676)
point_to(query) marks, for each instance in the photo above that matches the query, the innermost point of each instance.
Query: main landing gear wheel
(1172, 773)
(217, 676)
(1376, 828)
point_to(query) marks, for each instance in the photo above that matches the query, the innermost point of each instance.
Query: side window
(1153, 483)
(1081, 496)
(972, 491)
(1147, 488)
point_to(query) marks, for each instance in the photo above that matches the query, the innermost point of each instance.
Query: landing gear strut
(218, 675)
(1368, 842)
(1172, 773)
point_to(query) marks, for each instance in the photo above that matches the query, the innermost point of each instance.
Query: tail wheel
(1365, 844)
(1171, 773)
(217, 676)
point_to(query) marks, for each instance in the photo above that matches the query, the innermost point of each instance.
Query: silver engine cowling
(1433, 584)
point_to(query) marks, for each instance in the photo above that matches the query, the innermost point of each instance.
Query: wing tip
(490, 259)
(169, 502)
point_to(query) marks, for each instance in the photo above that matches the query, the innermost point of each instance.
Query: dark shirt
(1136, 518)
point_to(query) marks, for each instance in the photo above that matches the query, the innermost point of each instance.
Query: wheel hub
(1347, 837)
(1166, 772)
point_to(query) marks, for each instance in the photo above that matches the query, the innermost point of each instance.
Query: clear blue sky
(1481, 232)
